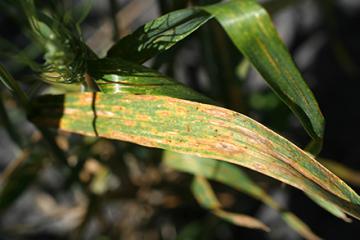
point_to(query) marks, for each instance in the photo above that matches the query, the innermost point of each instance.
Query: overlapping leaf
(207, 131)
(234, 177)
(204, 194)
(250, 28)
(115, 75)
(159, 35)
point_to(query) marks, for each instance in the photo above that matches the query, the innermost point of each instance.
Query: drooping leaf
(330, 207)
(206, 197)
(234, 177)
(159, 35)
(250, 28)
(204, 194)
(346, 173)
(198, 129)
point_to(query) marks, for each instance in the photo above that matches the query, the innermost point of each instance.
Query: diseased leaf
(206, 197)
(234, 177)
(250, 28)
(159, 35)
(194, 128)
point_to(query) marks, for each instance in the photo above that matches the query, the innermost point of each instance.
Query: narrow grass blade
(194, 128)
(204, 194)
(9, 82)
(7, 124)
(159, 35)
(234, 177)
(250, 28)
(330, 207)
(346, 173)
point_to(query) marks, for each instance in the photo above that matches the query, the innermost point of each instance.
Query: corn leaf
(204, 194)
(194, 128)
(234, 177)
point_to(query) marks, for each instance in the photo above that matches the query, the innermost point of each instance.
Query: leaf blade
(234, 177)
(251, 30)
(205, 195)
(194, 128)
(159, 35)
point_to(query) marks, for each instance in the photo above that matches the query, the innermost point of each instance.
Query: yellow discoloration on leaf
(203, 130)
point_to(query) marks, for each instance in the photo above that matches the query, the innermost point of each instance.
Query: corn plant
(117, 97)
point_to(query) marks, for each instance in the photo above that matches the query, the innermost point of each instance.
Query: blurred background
(103, 189)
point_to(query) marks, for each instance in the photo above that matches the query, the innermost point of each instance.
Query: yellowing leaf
(198, 129)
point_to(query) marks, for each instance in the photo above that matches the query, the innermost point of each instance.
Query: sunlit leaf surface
(194, 128)
(251, 29)
(159, 35)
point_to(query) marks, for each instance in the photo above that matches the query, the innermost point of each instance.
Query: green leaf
(159, 35)
(330, 207)
(9, 82)
(204, 194)
(250, 28)
(115, 75)
(197, 129)
(234, 177)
